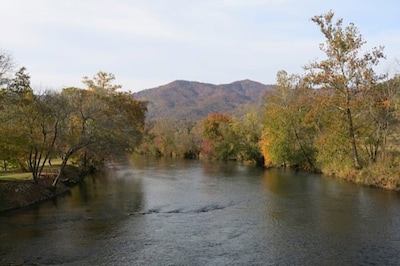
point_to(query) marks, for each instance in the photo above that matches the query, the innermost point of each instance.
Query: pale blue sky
(147, 43)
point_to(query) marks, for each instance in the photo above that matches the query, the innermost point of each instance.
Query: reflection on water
(180, 212)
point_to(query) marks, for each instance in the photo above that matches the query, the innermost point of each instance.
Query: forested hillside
(192, 101)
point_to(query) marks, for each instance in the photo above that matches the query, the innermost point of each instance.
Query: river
(184, 212)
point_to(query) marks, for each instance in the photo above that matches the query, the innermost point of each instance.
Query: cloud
(215, 41)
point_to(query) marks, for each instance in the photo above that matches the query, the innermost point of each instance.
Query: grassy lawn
(15, 175)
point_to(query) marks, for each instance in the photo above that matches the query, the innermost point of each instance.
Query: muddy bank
(17, 194)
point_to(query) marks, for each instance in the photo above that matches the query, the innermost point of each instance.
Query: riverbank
(18, 194)
(381, 179)
(386, 176)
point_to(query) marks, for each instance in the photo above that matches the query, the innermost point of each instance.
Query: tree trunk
(303, 151)
(61, 172)
(353, 140)
(70, 152)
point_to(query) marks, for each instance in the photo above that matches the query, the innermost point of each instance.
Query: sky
(148, 43)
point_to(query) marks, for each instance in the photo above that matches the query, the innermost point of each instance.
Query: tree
(164, 137)
(344, 73)
(101, 123)
(6, 65)
(43, 127)
(18, 108)
(12, 139)
(75, 132)
(101, 82)
(249, 130)
(287, 138)
(381, 118)
(219, 140)
(173, 138)
(123, 123)
(15, 105)
(188, 138)
(30, 124)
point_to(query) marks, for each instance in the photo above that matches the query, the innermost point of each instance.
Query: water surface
(177, 212)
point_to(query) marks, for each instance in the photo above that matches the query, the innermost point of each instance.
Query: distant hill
(190, 100)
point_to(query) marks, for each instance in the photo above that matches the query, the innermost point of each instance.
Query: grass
(15, 175)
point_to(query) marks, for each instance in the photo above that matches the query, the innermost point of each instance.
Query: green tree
(12, 139)
(18, 107)
(30, 124)
(287, 138)
(248, 130)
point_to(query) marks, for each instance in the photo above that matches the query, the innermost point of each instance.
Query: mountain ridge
(193, 100)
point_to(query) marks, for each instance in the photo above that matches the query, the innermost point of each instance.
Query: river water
(179, 212)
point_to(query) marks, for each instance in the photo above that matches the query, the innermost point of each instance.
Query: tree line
(338, 117)
(81, 125)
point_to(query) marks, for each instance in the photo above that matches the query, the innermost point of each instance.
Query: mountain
(190, 100)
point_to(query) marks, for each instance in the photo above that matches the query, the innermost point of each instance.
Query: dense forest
(339, 117)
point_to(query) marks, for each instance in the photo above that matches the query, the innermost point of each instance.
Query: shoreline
(20, 194)
(16, 194)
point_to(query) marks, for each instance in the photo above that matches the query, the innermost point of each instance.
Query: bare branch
(6, 65)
